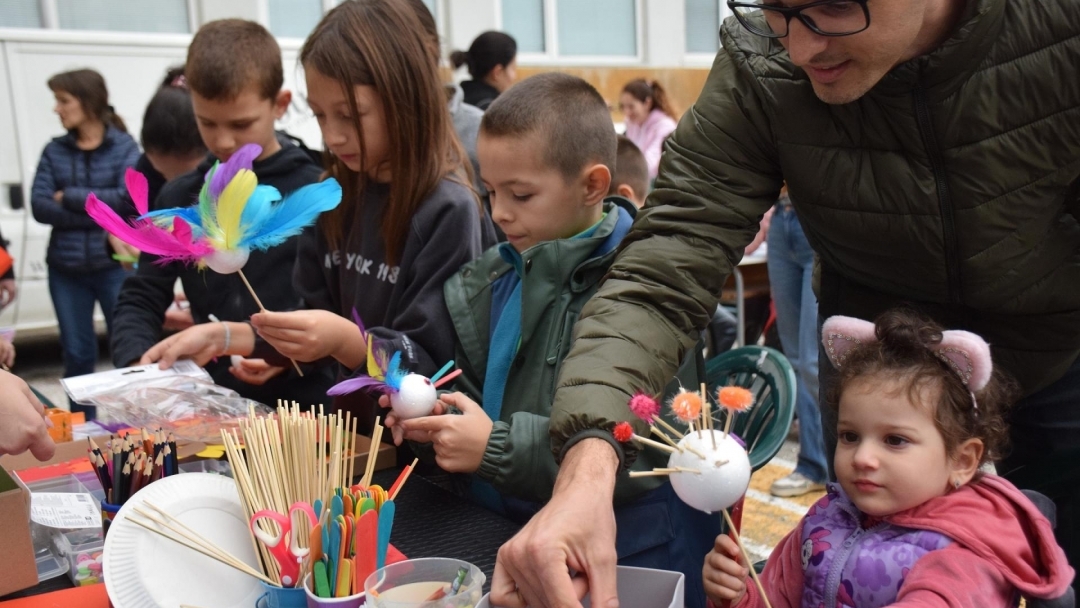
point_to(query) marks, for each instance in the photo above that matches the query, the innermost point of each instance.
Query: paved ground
(766, 519)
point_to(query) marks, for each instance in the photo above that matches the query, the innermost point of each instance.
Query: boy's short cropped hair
(630, 168)
(567, 113)
(230, 55)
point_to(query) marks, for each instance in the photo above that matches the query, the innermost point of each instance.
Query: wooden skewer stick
(727, 422)
(655, 444)
(746, 556)
(262, 308)
(667, 440)
(190, 544)
(664, 471)
(706, 412)
(667, 427)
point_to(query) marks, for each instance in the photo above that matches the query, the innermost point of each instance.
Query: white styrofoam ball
(719, 485)
(415, 399)
(236, 359)
(227, 262)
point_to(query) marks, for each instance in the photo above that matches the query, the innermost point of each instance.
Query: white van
(133, 66)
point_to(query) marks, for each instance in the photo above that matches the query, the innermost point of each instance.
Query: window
(20, 13)
(597, 27)
(124, 15)
(524, 20)
(573, 28)
(703, 20)
(294, 18)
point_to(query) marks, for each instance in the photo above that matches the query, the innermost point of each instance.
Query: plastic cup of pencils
(108, 514)
(282, 597)
(433, 581)
(314, 601)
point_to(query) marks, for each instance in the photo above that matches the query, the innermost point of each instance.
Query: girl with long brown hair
(408, 218)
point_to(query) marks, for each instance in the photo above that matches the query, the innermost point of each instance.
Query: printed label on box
(65, 510)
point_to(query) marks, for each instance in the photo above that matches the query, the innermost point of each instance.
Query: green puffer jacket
(560, 276)
(953, 184)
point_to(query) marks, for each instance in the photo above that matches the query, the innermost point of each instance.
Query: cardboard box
(642, 588)
(20, 570)
(386, 458)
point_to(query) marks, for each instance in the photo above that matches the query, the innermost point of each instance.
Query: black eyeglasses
(825, 17)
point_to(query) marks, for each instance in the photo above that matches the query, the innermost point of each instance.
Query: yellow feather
(231, 204)
(372, 365)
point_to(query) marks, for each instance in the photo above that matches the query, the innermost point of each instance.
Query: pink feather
(144, 235)
(139, 190)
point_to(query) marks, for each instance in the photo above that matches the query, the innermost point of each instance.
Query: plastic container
(410, 583)
(75, 551)
(641, 588)
(314, 601)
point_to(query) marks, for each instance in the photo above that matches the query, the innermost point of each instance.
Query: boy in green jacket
(545, 147)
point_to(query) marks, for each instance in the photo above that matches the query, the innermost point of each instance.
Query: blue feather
(166, 216)
(299, 210)
(394, 372)
(257, 210)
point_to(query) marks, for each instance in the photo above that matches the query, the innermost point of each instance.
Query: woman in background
(492, 61)
(650, 118)
(92, 157)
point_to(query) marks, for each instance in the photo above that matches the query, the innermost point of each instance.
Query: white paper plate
(144, 570)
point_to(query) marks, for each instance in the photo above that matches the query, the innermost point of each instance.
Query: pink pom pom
(623, 432)
(644, 406)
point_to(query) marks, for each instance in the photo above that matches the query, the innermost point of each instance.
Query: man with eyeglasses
(932, 150)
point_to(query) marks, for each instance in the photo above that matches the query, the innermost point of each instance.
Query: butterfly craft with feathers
(411, 395)
(234, 215)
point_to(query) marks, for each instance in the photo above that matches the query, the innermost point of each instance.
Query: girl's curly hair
(903, 352)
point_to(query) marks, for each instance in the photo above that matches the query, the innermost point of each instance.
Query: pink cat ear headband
(966, 353)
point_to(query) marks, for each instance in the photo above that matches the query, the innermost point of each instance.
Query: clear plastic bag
(191, 408)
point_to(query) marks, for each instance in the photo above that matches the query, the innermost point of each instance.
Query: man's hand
(574, 531)
(254, 371)
(459, 441)
(725, 572)
(9, 290)
(310, 335)
(23, 427)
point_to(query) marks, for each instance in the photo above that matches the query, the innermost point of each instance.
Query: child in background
(235, 75)
(171, 146)
(631, 178)
(546, 147)
(408, 218)
(913, 521)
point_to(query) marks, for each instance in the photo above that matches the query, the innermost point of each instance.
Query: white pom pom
(227, 262)
(416, 397)
(719, 485)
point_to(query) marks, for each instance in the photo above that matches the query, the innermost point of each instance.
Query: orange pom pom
(735, 398)
(686, 406)
(623, 432)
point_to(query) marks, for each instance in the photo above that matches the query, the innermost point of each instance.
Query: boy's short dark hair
(567, 112)
(630, 168)
(230, 55)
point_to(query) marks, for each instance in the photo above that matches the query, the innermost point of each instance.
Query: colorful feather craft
(384, 374)
(179, 244)
(235, 214)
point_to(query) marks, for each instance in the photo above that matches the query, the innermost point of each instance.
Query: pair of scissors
(286, 551)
